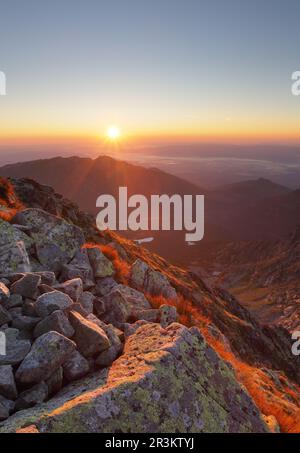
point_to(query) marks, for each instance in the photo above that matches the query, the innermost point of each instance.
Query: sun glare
(113, 133)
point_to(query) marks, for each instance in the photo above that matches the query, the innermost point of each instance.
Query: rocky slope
(103, 335)
(265, 275)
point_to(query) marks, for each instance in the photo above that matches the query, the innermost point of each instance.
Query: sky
(160, 69)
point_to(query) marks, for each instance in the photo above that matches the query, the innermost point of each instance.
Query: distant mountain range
(249, 210)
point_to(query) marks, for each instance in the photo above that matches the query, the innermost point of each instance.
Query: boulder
(152, 281)
(57, 322)
(151, 315)
(72, 288)
(105, 285)
(168, 314)
(102, 266)
(122, 302)
(30, 398)
(49, 302)
(27, 286)
(15, 300)
(75, 367)
(106, 358)
(56, 240)
(55, 382)
(23, 322)
(79, 267)
(47, 354)
(4, 293)
(5, 316)
(16, 349)
(8, 387)
(4, 412)
(89, 337)
(87, 302)
(155, 386)
(14, 258)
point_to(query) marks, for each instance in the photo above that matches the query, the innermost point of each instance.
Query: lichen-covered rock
(102, 266)
(7, 382)
(167, 380)
(89, 337)
(35, 395)
(14, 258)
(154, 282)
(47, 354)
(56, 240)
(122, 302)
(55, 382)
(75, 367)
(79, 267)
(16, 349)
(49, 302)
(87, 302)
(57, 322)
(168, 314)
(72, 288)
(27, 286)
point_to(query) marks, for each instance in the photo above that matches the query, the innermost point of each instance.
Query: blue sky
(152, 67)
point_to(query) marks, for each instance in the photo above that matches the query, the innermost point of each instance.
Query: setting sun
(113, 133)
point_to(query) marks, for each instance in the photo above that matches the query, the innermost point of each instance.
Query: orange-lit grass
(122, 268)
(289, 421)
(9, 203)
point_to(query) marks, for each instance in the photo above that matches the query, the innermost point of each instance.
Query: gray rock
(114, 335)
(4, 293)
(30, 398)
(5, 316)
(55, 382)
(16, 349)
(27, 286)
(87, 302)
(154, 282)
(122, 302)
(29, 308)
(47, 277)
(14, 258)
(75, 367)
(23, 322)
(47, 354)
(147, 315)
(105, 285)
(57, 322)
(56, 241)
(8, 404)
(89, 337)
(4, 412)
(130, 329)
(168, 314)
(15, 300)
(101, 265)
(49, 302)
(106, 358)
(8, 387)
(79, 267)
(72, 288)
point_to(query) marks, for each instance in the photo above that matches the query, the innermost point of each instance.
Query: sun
(113, 133)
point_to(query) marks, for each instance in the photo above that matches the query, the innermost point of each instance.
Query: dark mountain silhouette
(249, 210)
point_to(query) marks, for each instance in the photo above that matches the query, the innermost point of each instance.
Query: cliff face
(103, 335)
